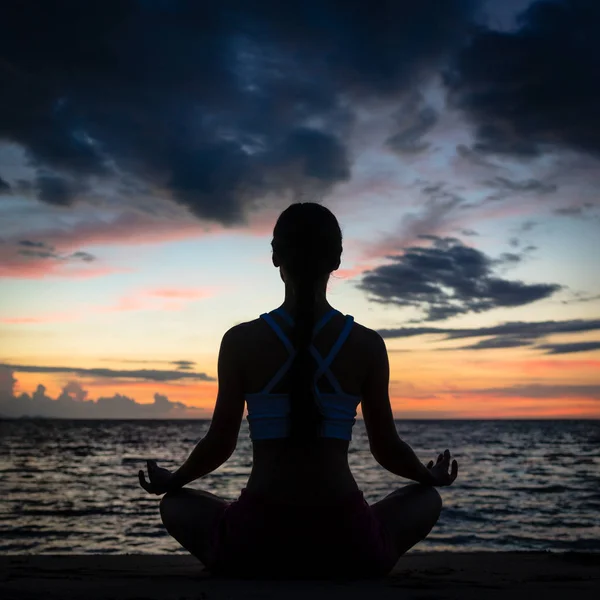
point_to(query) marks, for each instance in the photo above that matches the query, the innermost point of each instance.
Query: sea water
(71, 487)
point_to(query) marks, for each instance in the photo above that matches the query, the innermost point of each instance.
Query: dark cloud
(524, 186)
(84, 256)
(36, 249)
(183, 365)
(73, 403)
(517, 241)
(4, 187)
(42, 250)
(147, 374)
(582, 297)
(39, 253)
(58, 191)
(516, 329)
(448, 279)
(473, 157)
(180, 364)
(569, 211)
(30, 244)
(504, 188)
(415, 119)
(497, 342)
(541, 391)
(220, 103)
(527, 226)
(570, 347)
(436, 210)
(579, 210)
(537, 87)
(509, 258)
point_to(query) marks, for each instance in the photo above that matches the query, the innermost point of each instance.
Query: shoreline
(436, 575)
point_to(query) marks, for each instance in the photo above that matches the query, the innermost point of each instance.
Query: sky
(148, 146)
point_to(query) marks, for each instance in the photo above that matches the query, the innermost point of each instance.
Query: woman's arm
(402, 461)
(203, 459)
(386, 446)
(219, 443)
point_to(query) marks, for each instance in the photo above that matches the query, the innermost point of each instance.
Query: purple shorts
(257, 538)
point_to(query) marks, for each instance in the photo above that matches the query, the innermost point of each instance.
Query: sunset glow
(135, 229)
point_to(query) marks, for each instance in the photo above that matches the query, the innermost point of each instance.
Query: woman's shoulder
(364, 334)
(248, 330)
(243, 327)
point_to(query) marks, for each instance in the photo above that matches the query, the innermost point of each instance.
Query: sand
(419, 575)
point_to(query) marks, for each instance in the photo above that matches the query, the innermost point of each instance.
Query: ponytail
(305, 416)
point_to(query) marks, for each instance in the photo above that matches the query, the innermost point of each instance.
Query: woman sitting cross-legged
(302, 369)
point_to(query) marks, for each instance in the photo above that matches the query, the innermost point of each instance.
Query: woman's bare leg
(189, 516)
(409, 514)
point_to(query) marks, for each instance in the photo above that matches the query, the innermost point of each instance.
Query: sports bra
(268, 412)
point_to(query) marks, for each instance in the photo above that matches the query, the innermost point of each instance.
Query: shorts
(256, 538)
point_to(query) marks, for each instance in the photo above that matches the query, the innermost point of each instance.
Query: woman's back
(302, 378)
(317, 472)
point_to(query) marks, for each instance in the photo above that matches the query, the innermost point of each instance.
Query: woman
(302, 369)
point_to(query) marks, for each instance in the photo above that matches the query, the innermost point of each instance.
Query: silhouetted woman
(302, 369)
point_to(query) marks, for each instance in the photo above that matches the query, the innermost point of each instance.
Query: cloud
(4, 187)
(73, 403)
(30, 244)
(506, 187)
(38, 250)
(469, 232)
(497, 342)
(449, 279)
(569, 348)
(527, 226)
(521, 114)
(39, 253)
(157, 299)
(128, 227)
(578, 210)
(84, 256)
(540, 391)
(414, 119)
(56, 190)
(582, 297)
(438, 209)
(183, 365)
(27, 258)
(525, 330)
(219, 104)
(179, 293)
(145, 374)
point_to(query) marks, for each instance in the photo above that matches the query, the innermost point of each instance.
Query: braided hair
(307, 240)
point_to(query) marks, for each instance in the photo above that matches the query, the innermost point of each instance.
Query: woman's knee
(435, 499)
(166, 506)
(429, 496)
(436, 503)
(429, 501)
(426, 494)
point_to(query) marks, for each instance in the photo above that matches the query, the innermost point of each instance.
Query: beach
(418, 575)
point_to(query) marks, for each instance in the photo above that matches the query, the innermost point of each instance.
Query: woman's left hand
(160, 479)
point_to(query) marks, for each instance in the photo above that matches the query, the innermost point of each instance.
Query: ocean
(71, 487)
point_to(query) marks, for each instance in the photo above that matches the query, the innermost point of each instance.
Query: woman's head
(307, 244)
(307, 241)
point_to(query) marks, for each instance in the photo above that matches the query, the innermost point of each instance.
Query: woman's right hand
(440, 472)
(160, 479)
